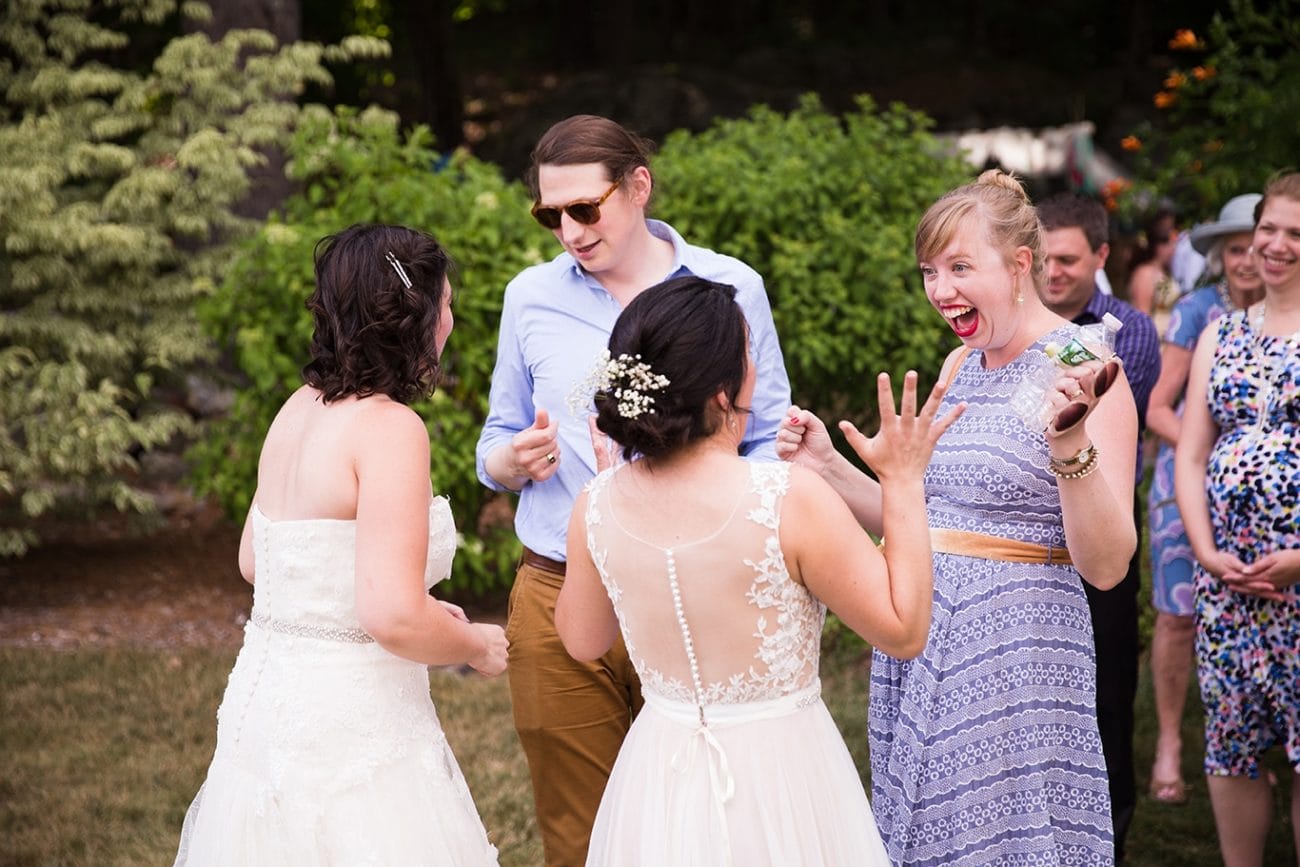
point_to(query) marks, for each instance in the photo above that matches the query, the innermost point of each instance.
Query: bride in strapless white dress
(329, 751)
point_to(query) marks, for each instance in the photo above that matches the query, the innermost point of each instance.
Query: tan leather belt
(969, 544)
(546, 564)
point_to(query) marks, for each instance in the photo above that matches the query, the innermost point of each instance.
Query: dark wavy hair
(692, 332)
(371, 334)
(1156, 230)
(1076, 211)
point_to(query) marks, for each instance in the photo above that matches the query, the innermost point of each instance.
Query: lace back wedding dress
(329, 751)
(734, 758)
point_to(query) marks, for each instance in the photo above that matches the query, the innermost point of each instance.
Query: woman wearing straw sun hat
(1236, 284)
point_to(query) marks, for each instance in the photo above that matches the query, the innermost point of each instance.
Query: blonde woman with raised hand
(985, 748)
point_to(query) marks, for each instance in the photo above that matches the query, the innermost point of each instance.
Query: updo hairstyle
(998, 203)
(692, 332)
(587, 138)
(373, 335)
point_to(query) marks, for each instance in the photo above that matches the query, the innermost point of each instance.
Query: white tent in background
(1040, 153)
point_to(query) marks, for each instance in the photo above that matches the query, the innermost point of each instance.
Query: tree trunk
(283, 19)
(428, 40)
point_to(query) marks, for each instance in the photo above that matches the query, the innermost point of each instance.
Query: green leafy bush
(358, 168)
(116, 196)
(824, 207)
(1228, 111)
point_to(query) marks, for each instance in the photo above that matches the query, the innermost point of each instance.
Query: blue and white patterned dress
(1172, 562)
(984, 749)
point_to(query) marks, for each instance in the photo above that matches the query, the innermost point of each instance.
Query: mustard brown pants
(571, 716)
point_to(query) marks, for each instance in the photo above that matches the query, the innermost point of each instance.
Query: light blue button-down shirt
(555, 321)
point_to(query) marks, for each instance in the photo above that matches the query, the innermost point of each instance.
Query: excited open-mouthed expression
(598, 246)
(1277, 244)
(974, 288)
(1072, 267)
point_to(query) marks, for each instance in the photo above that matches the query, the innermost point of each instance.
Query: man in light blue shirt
(592, 182)
(555, 323)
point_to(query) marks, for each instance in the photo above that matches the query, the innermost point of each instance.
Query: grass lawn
(101, 752)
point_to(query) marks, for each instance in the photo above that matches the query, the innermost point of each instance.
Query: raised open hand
(906, 439)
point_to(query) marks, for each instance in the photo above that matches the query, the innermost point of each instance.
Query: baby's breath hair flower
(632, 380)
(627, 380)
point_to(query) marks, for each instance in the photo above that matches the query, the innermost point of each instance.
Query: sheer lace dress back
(724, 596)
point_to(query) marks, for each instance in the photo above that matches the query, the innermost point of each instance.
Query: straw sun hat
(1237, 215)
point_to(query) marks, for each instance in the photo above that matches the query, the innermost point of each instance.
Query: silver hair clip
(397, 266)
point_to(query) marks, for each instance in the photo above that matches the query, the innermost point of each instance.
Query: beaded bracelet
(1086, 465)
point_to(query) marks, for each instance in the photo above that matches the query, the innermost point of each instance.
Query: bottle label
(1071, 353)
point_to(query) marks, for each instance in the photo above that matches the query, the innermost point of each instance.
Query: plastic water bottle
(1031, 399)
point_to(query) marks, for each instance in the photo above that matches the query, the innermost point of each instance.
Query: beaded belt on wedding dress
(303, 630)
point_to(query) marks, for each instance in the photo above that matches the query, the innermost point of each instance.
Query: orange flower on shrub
(1164, 99)
(1115, 186)
(1131, 143)
(1111, 191)
(1203, 73)
(1195, 166)
(1175, 80)
(1213, 146)
(1185, 40)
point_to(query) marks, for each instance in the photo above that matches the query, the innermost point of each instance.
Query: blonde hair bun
(1005, 180)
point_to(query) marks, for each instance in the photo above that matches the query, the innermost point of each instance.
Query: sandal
(1168, 791)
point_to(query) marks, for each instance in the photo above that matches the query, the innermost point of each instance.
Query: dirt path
(100, 585)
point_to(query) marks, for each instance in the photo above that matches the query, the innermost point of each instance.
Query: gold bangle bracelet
(1083, 456)
(1086, 467)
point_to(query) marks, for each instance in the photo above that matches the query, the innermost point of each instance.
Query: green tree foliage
(358, 168)
(116, 193)
(1230, 112)
(824, 207)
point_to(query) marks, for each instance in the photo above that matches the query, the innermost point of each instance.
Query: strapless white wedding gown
(329, 751)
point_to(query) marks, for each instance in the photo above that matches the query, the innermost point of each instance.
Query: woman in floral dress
(1238, 487)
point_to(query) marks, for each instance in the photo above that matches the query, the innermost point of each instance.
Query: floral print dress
(1246, 647)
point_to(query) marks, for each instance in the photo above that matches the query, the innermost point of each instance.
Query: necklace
(1225, 297)
(1267, 364)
